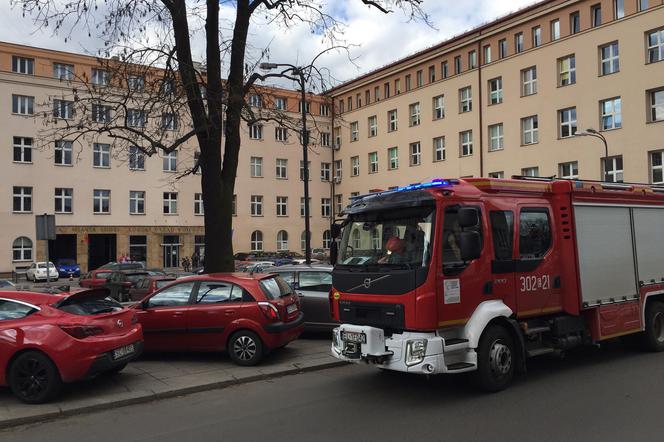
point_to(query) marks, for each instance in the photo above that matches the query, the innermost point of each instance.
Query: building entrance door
(101, 250)
(171, 247)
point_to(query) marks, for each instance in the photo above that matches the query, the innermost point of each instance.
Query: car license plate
(291, 308)
(123, 351)
(355, 337)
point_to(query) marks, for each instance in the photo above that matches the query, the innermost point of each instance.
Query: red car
(95, 278)
(148, 285)
(248, 315)
(48, 339)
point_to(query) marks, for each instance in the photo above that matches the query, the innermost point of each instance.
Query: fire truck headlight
(336, 338)
(416, 349)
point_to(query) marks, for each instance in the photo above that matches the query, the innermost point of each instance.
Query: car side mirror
(468, 217)
(470, 245)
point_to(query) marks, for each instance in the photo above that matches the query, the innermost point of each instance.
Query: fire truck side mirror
(468, 217)
(470, 245)
(335, 230)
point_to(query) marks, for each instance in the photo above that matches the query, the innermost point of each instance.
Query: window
(567, 120)
(99, 77)
(63, 71)
(170, 161)
(136, 158)
(354, 131)
(198, 204)
(502, 227)
(518, 42)
(170, 203)
(22, 150)
(500, 174)
(466, 143)
(325, 138)
(137, 202)
(63, 109)
(619, 9)
(325, 207)
(282, 241)
(63, 200)
(101, 113)
(377, 93)
(457, 64)
(255, 100)
(256, 205)
(367, 96)
(393, 158)
(256, 167)
(22, 200)
(530, 171)
(555, 30)
(373, 126)
(101, 201)
(537, 36)
(610, 114)
(23, 105)
(305, 171)
(22, 249)
(337, 136)
(392, 119)
(496, 90)
(327, 239)
(657, 167)
(173, 296)
(338, 203)
(443, 69)
(218, 293)
(438, 107)
(338, 170)
(282, 206)
(613, 169)
(502, 48)
(472, 59)
(439, 149)
(415, 153)
(397, 86)
(529, 130)
(656, 105)
(574, 23)
(302, 206)
(567, 70)
(354, 166)
(408, 82)
(655, 44)
(419, 79)
(307, 106)
(496, 137)
(101, 155)
(282, 168)
(595, 15)
(256, 131)
(23, 65)
(280, 134)
(63, 153)
(465, 99)
(325, 171)
(169, 121)
(529, 81)
(643, 5)
(135, 82)
(534, 233)
(341, 106)
(609, 58)
(135, 118)
(373, 162)
(569, 171)
(487, 54)
(414, 114)
(432, 74)
(386, 88)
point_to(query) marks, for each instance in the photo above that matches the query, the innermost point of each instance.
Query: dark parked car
(312, 284)
(148, 286)
(68, 268)
(121, 281)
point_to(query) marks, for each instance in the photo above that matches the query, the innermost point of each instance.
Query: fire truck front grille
(387, 316)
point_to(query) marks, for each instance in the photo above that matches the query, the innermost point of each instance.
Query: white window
(373, 162)
(502, 48)
(619, 8)
(101, 113)
(101, 201)
(256, 167)
(392, 119)
(307, 106)
(63, 109)
(136, 202)
(457, 64)
(64, 200)
(530, 171)
(325, 171)
(393, 158)
(256, 205)
(611, 114)
(170, 161)
(63, 71)
(282, 168)
(443, 69)
(325, 138)
(135, 82)
(656, 105)
(655, 42)
(304, 170)
(487, 54)
(135, 118)
(529, 130)
(609, 58)
(136, 158)
(63, 153)
(574, 23)
(518, 42)
(338, 203)
(432, 74)
(419, 80)
(170, 203)
(280, 103)
(23, 65)
(466, 143)
(302, 207)
(256, 241)
(537, 36)
(282, 206)
(22, 249)
(567, 70)
(327, 239)
(169, 121)
(198, 204)
(439, 149)
(529, 81)
(496, 137)
(555, 30)
(303, 241)
(500, 174)
(325, 109)
(22, 150)
(613, 169)
(337, 136)
(22, 199)
(496, 90)
(23, 105)
(256, 131)
(465, 99)
(438, 107)
(355, 166)
(569, 171)
(567, 119)
(596, 15)
(282, 241)
(414, 114)
(325, 207)
(101, 155)
(280, 133)
(354, 131)
(255, 100)
(415, 150)
(338, 170)
(99, 77)
(373, 126)
(472, 60)
(657, 167)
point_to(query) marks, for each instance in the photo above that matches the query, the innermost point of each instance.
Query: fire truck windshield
(394, 238)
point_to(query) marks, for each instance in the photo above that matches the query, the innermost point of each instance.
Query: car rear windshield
(275, 288)
(90, 305)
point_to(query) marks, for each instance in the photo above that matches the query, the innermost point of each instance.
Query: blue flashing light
(438, 182)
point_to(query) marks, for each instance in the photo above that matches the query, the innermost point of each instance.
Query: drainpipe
(481, 106)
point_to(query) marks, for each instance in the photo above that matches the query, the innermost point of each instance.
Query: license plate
(356, 337)
(291, 308)
(123, 351)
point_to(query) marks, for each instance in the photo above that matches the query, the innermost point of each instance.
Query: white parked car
(37, 272)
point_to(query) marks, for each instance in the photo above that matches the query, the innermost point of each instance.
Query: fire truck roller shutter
(649, 240)
(483, 314)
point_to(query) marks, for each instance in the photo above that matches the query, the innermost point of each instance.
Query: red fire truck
(479, 274)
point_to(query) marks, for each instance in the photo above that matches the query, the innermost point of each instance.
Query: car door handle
(229, 312)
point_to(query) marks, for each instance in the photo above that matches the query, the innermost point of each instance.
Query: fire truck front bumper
(411, 352)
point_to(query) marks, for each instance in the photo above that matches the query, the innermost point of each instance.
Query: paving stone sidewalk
(157, 376)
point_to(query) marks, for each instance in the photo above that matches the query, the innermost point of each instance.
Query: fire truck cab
(479, 274)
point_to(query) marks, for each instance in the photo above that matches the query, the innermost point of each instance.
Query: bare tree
(151, 34)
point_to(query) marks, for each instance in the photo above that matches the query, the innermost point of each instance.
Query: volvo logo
(120, 323)
(367, 282)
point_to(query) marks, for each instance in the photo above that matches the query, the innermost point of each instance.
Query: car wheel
(652, 338)
(496, 359)
(245, 348)
(34, 378)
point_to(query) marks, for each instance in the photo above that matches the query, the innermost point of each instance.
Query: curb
(9, 423)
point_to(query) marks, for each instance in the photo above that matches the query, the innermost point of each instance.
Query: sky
(375, 39)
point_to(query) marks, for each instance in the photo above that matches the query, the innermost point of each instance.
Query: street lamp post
(597, 134)
(298, 74)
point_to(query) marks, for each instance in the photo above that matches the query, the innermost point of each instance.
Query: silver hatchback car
(312, 284)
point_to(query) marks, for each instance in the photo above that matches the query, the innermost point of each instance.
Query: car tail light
(82, 331)
(269, 310)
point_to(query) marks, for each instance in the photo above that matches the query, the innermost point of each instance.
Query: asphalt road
(608, 394)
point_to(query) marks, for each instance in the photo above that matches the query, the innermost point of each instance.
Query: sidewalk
(157, 376)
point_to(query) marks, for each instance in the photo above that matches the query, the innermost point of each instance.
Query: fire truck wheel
(653, 336)
(495, 359)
